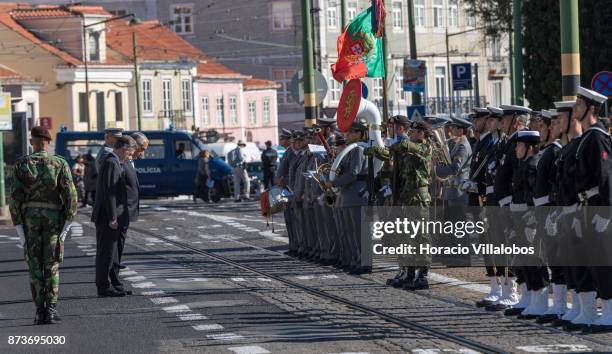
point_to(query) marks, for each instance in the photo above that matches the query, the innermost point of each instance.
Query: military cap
(308, 130)
(339, 140)
(400, 119)
(460, 122)
(420, 125)
(554, 114)
(285, 133)
(40, 132)
(436, 121)
(480, 112)
(326, 122)
(531, 137)
(359, 125)
(546, 114)
(241, 143)
(591, 97)
(495, 112)
(515, 109)
(299, 135)
(116, 132)
(536, 115)
(565, 106)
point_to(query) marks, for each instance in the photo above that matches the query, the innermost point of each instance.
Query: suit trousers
(120, 245)
(322, 229)
(107, 254)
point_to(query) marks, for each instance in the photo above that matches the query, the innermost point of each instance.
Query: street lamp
(133, 21)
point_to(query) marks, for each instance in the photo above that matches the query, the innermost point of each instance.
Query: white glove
(64, 233)
(601, 224)
(530, 234)
(577, 227)
(386, 191)
(21, 233)
(551, 223)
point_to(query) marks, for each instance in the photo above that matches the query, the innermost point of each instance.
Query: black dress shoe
(546, 318)
(527, 317)
(420, 283)
(123, 290)
(121, 266)
(110, 293)
(515, 311)
(483, 303)
(51, 315)
(499, 307)
(599, 329)
(40, 315)
(559, 322)
(570, 327)
(361, 270)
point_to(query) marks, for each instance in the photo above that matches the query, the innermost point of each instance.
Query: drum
(278, 199)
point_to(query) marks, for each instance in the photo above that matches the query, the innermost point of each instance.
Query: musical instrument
(319, 132)
(320, 176)
(274, 200)
(441, 154)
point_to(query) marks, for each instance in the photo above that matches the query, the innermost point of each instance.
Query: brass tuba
(320, 176)
(441, 154)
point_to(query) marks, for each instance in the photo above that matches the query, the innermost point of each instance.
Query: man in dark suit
(111, 216)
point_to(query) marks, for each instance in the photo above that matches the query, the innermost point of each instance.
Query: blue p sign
(462, 76)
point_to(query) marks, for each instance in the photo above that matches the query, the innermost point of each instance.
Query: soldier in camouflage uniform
(412, 164)
(43, 203)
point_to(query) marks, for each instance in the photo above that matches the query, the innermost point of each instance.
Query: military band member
(351, 182)
(110, 138)
(43, 203)
(311, 192)
(593, 179)
(514, 118)
(296, 178)
(456, 172)
(340, 245)
(282, 179)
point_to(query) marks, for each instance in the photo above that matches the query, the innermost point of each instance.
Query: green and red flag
(360, 51)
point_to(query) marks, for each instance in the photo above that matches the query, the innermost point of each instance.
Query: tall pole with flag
(310, 102)
(416, 96)
(518, 53)
(570, 49)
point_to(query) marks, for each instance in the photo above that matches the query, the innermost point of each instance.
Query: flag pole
(384, 81)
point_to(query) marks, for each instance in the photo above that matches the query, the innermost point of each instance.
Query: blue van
(162, 172)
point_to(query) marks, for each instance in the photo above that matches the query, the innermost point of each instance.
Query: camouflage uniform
(43, 198)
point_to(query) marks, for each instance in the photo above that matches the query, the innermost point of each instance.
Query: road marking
(151, 244)
(329, 277)
(174, 238)
(163, 300)
(153, 240)
(127, 272)
(153, 292)
(169, 228)
(177, 309)
(211, 327)
(265, 280)
(191, 317)
(90, 254)
(79, 246)
(3, 236)
(238, 279)
(144, 285)
(135, 278)
(456, 282)
(225, 336)
(556, 348)
(153, 229)
(186, 280)
(305, 277)
(251, 349)
(274, 237)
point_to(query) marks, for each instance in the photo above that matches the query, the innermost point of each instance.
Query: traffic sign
(6, 116)
(297, 87)
(416, 113)
(602, 83)
(462, 76)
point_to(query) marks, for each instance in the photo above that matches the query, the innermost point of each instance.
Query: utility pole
(570, 49)
(85, 57)
(136, 82)
(310, 102)
(518, 53)
(476, 86)
(448, 76)
(416, 96)
(342, 15)
(512, 78)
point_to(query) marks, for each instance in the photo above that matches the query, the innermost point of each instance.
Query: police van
(168, 168)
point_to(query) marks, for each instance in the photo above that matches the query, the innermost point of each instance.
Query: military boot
(40, 315)
(418, 283)
(51, 315)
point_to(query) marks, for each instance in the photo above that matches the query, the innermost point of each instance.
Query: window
(118, 107)
(252, 112)
(205, 111)
(452, 13)
(117, 13)
(147, 96)
(156, 150)
(82, 146)
(30, 110)
(335, 90)
(419, 13)
(496, 48)
(440, 77)
(332, 14)
(233, 110)
(186, 94)
(470, 21)
(182, 18)
(400, 95)
(282, 15)
(378, 87)
(438, 13)
(397, 15)
(351, 10)
(496, 89)
(219, 110)
(94, 46)
(167, 97)
(182, 150)
(283, 77)
(82, 107)
(266, 111)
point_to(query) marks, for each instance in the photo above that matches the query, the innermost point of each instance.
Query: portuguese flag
(360, 51)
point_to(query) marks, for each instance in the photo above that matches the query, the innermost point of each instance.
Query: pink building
(236, 105)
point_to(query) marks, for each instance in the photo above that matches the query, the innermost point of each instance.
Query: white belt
(541, 201)
(505, 201)
(590, 193)
(518, 207)
(490, 190)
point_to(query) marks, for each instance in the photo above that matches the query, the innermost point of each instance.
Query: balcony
(498, 67)
(436, 105)
(172, 119)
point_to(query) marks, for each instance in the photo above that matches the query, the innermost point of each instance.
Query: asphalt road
(188, 302)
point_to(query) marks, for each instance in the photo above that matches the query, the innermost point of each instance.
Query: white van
(222, 149)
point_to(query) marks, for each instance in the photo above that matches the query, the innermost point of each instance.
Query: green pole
(512, 78)
(136, 83)
(310, 102)
(518, 53)
(342, 14)
(416, 96)
(2, 194)
(570, 49)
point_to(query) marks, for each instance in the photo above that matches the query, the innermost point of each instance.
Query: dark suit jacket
(132, 187)
(111, 193)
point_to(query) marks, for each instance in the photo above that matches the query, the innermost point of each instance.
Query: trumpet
(320, 176)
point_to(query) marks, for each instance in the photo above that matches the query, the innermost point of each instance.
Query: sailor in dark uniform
(593, 180)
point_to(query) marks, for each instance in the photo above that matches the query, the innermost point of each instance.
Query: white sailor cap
(564, 106)
(528, 136)
(514, 109)
(546, 114)
(495, 112)
(592, 97)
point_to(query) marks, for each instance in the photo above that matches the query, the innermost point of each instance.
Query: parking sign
(462, 76)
